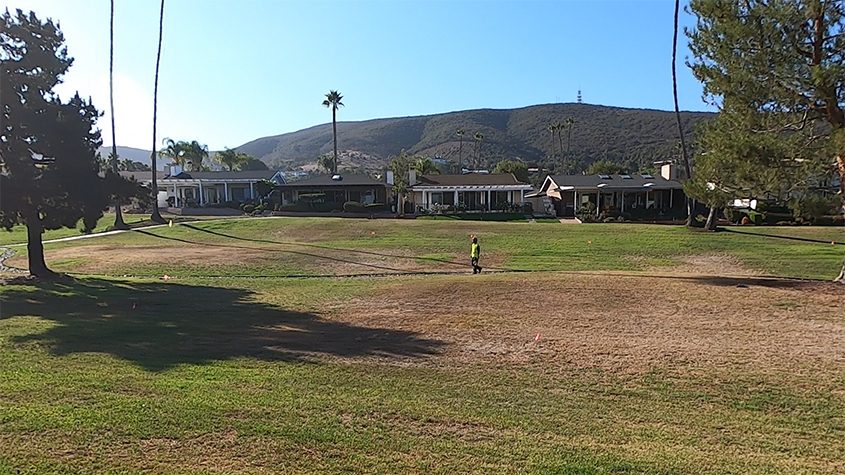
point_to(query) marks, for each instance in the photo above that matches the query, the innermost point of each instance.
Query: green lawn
(232, 367)
(310, 246)
(18, 234)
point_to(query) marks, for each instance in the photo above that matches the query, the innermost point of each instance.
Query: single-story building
(467, 192)
(612, 194)
(335, 189)
(192, 189)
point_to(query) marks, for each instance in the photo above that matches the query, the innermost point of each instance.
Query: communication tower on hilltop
(579, 96)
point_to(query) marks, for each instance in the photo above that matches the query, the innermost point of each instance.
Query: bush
(813, 207)
(354, 207)
(248, 208)
(756, 218)
(609, 219)
(587, 213)
(732, 214)
(376, 207)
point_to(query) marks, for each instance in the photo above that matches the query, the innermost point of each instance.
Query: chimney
(412, 176)
(389, 177)
(669, 171)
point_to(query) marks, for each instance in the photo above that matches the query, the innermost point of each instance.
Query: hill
(634, 136)
(133, 154)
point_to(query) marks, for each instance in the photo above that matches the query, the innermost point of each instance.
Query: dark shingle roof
(347, 180)
(223, 175)
(468, 179)
(141, 177)
(614, 181)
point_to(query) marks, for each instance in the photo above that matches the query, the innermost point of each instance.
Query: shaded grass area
(18, 233)
(308, 245)
(254, 376)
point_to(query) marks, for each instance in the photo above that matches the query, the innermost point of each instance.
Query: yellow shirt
(476, 250)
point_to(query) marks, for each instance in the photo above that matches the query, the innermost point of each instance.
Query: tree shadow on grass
(161, 325)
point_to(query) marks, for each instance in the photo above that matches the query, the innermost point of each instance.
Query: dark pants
(476, 269)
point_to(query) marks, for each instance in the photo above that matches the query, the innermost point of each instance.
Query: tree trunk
(560, 143)
(156, 216)
(35, 248)
(334, 134)
(840, 167)
(460, 155)
(687, 167)
(118, 214)
(710, 225)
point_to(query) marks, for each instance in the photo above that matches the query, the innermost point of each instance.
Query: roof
(142, 176)
(225, 175)
(469, 179)
(610, 182)
(346, 180)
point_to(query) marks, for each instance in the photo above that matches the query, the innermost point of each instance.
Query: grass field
(620, 349)
(18, 234)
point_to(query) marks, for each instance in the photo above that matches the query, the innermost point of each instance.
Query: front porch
(618, 202)
(195, 193)
(468, 199)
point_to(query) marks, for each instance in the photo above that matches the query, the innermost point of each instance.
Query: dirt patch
(712, 264)
(620, 323)
(91, 258)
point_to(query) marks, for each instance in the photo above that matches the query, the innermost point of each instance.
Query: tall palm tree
(460, 133)
(568, 123)
(174, 151)
(559, 126)
(156, 216)
(687, 167)
(479, 137)
(118, 213)
(195, 152)
(230, 158)
(425, 166)
(333, 100)
(552, 128)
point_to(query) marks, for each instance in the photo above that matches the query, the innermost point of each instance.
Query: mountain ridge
(627, 135)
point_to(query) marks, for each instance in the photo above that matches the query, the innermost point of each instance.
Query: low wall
(337, 214)
(204, 211)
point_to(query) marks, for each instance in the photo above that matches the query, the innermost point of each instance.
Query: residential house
(338, 189)
(181, 189)
(612, 194)
(467, 192)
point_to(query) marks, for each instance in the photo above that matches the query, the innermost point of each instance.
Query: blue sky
(233, 71)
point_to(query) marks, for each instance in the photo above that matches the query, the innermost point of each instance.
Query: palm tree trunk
(687, 167)
(118, 213)
(460, 155)
(840, 166)
(560, 143)
(334, 135)
(156, 216)
(35, 248)
(568, 139)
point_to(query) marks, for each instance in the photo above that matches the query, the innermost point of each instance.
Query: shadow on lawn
(161, 325)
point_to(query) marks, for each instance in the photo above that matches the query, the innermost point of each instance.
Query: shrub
(756, 218)
(354, 207)
(609, 219)
(248, 208)
(587, 213)
(813, 207)
(732, 214)
(376, 207)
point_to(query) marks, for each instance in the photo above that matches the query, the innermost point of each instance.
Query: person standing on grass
(475, 254)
